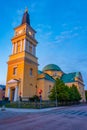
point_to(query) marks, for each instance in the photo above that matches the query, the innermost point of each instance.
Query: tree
(64, 93)
(86, 94)
(59, 91)
(74, 94)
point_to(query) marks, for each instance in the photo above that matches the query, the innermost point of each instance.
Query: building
(69, 79)
(2, 91)
(23, 77)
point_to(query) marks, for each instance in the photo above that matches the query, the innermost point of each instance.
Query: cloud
(44, 32)
(43, 26)
(68, 34)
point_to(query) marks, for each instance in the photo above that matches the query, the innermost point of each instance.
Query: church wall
(30, 81)
(18, 75)
(41, 86)
(45, 86)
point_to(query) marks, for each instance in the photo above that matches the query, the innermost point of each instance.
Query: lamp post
(56, 96)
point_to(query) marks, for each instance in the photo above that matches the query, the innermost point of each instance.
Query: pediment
(13, 81)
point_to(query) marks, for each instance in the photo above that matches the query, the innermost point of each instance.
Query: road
(68, 118)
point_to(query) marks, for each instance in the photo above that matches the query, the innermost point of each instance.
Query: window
(31, 71)
(49, 89)
(27, 46)
(33, 35)
(30, 49)
(33, 50)
(14, 70)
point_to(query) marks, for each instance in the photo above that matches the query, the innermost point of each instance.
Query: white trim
(12, 81)
(24, 44)
(8, 93)
(16, 94)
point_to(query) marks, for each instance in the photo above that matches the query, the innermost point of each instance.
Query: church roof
(51, 67)
(67, 78)
(46, 76)
(25, 18)
(40, 72)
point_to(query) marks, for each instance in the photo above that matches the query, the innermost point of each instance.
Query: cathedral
(23, 77)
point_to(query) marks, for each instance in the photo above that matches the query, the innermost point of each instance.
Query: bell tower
(22, 63)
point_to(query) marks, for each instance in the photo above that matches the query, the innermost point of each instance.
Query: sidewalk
(40, 110)
(30, 110)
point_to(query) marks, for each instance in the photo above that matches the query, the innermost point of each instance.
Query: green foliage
(34, 98)
(86, 94)
(74, 94)
(63, 93)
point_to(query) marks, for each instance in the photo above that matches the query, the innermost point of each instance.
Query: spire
(25, 18)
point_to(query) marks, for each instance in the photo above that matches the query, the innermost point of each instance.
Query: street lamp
(56, 96)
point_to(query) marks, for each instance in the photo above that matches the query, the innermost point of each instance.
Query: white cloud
(68, 34)
(44, 32)
(43, 26)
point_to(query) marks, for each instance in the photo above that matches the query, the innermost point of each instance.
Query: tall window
(31, 71)
(33, 50)
(14, 70)
(49, 89)
(30, 48)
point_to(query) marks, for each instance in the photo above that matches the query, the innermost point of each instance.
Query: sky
(61, 27)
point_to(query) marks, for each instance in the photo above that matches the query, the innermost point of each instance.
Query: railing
(35, 104)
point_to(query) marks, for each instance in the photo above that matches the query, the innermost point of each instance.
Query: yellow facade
(23, 78)
(78, 81)
(22, 64)
(45, 85)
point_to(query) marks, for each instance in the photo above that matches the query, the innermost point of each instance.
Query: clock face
(30, 33)
(20, 31)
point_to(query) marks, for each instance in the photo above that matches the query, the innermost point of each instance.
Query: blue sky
(61, 32)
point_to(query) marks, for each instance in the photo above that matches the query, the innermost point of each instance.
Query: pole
(56, 96)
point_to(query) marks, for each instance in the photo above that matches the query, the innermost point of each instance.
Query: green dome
(51, 67)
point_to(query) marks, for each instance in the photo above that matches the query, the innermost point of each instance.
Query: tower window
(14, 70)
(30, 48)
(31, 71)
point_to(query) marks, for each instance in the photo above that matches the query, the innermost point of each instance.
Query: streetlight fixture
(56, 96)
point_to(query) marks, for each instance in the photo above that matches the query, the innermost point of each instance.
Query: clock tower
(22, 63)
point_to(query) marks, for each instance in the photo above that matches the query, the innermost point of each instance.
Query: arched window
(49, 89)
(31, 71)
